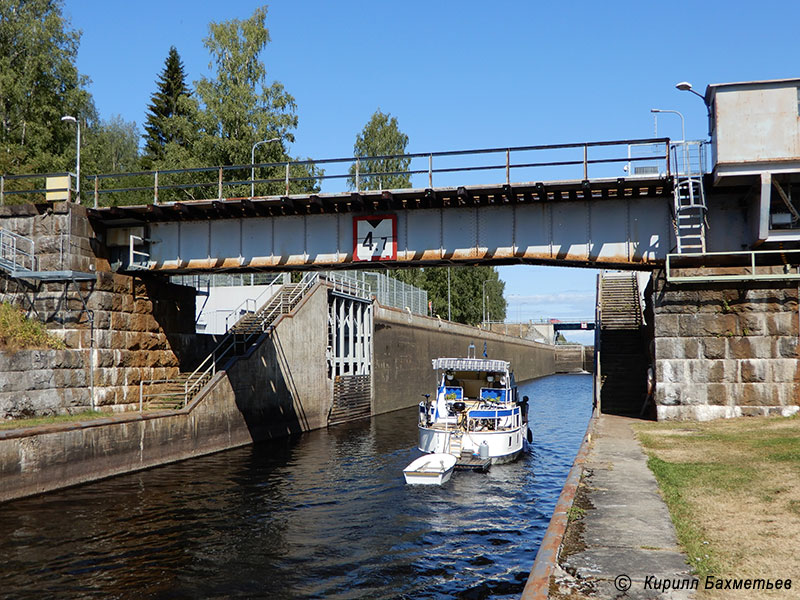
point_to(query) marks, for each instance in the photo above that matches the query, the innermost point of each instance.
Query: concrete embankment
(622, 533)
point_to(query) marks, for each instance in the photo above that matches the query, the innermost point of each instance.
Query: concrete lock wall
(405, 344)
(725, 350)
(279, 388)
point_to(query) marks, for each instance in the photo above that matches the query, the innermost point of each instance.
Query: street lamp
(483, 301)
(674, 112)
(685, 86)
(683, 135)
(77, 158)
(252, 163)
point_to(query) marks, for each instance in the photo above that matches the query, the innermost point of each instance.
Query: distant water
(321, 515)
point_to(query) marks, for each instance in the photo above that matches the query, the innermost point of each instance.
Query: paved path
(629, 531)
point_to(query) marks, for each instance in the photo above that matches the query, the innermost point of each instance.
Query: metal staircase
(623, 357)
(178, 392)
(689, 197)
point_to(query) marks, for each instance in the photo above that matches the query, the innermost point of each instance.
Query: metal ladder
(689, 197)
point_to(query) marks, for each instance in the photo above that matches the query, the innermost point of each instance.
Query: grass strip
(34, 421)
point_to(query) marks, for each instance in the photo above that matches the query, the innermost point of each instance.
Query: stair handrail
(229, 342)
(9, 245)
(246, 304)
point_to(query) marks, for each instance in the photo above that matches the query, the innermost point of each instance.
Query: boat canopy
(471, 364)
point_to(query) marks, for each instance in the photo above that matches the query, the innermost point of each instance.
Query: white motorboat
(475, 411)
(431, 469)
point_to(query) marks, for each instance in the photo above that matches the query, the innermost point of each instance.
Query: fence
(389, 291)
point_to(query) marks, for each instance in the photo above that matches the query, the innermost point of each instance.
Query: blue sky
(461, 75)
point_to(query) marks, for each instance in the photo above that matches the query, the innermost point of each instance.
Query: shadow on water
(318, 515)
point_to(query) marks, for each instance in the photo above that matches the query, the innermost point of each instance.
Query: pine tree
(171, 115)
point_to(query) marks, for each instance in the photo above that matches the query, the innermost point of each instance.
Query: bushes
(17, 332)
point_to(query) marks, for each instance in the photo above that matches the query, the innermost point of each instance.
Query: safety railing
(37, 187)
(689, 158)
(249, 306)
(133, 253)
(745, 265)
(151, 395)
(290, 295)
(375, 172)
(17, 252)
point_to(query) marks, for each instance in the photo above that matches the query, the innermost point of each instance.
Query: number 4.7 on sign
(374, 238)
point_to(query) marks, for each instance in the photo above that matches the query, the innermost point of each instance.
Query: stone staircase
(623, 355)
(170, 394)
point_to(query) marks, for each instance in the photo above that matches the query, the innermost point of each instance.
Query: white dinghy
(431, 469)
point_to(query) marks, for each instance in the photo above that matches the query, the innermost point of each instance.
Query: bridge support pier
(725, 349)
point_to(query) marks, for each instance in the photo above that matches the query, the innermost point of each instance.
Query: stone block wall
(725, 350)
(118, 329)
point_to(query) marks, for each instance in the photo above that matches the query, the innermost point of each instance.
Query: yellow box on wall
(60, 187)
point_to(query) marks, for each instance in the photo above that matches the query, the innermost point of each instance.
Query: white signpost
(375, 238)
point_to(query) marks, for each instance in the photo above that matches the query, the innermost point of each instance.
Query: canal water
(321, 515)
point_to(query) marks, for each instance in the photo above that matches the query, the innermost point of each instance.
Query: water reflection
(321, 515)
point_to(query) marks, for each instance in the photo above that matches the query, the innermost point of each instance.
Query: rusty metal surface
(538, 584)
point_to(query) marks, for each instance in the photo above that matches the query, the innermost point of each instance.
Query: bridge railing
(37, 187)
(576, 161)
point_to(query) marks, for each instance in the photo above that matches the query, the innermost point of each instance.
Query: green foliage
(172, 116)
(17, 332)
(39, 84)
(675, 480)
(239, 108)
(381, 136)
(111, 147)
(466, 288)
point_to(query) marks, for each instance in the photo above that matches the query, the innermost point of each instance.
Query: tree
(240, 108)
(381, 136)
(466, 289)
(39, 83)
(111, 147)
(172, 115)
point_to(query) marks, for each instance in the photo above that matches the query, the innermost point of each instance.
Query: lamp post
(683, 135)
(685, 86)
(77, 157)
(674, 112)
(252, 163)
(483, 301)
(449, 315)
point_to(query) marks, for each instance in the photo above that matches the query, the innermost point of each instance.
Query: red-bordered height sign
(375, 238)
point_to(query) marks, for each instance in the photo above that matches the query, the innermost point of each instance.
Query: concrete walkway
(629, 533)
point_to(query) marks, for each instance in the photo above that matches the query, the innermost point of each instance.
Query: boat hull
(431, 469)
(503, 446)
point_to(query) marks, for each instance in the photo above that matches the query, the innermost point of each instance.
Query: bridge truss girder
(630, 227)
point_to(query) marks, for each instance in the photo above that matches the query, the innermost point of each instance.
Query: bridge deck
(400, 199)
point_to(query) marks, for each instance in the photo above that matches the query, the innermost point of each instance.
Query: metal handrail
(132, 252)
(357, 175)
(11, 253)
(209, 366)
(245, 305)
